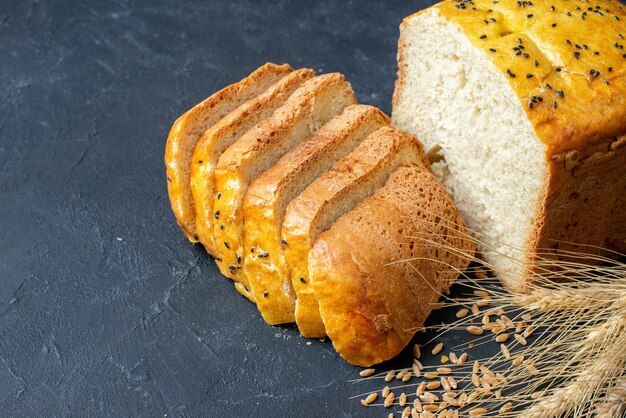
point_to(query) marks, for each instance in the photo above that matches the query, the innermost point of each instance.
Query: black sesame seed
(594, 73)
(539, 98)
(558, 69)
(554, 105)
(265, 293)
(560, 93)
(569, 14)
(536, 63)
(518, 52)
(222, 226)
(200, 161)
(169, 178)
(492, 50)
(616, 17)
(619, 35)
(519, 40)
(302, 280)
(624, 56)
(226, 245)
(552, 8)
(606, 82)
(529, 76)
(529, 15)
(231, 268)
(609, 69)
(549, 86)
(578, 46)
(554, 25)
(284, 242)
(219, 196)
(567, 41)
(217, 214)
(585, 46)
(510, 74)
(596, 53)
(493, 19)
(483, 36)
(576, 54)
(525, 55)
(251, 249)
(238, 257)
(264, 254)
(531, 105)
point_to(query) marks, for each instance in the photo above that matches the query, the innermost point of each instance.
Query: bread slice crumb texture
(223, 134)
(268, 196)
(188, 128)
(334, 193)
(316, 102)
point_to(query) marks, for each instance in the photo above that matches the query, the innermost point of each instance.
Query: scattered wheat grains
(367, 372)
(437, 349)
(520, 339)
(502, 338)
(389, 400)
(386, 391)
(389, 376)
(431, 375)
(462, 313)
(474, 330)
(370, 398)
(444, 359)
(478, 412)
(417, 352)
(402, 399)
(475, 310)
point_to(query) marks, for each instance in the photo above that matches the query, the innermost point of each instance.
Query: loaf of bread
(522, 109)
(316, 102)
(333, 194)
(267, 198)
(188, 128)
(222, 135)
(259, 170)
(379, 269)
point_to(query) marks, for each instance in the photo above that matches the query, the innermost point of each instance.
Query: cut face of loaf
(270, 193)
(311, 106)
(523, 117)
(187, 130)
(334, 193)
(379, 269)
(222, 135)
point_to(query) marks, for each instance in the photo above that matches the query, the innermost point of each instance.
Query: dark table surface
(105, 309)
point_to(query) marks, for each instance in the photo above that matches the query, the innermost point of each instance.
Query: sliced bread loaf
(188, 128)
(222, 135)
(269, 195)
(523, 109)
(334, 193)
(311, 106)
(379, 269)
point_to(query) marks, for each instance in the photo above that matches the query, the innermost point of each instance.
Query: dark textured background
(105, 309)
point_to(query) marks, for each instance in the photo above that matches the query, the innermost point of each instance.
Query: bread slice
(524, 116)
(334, 193)
(222, 135)
(310, 107)
(377, 272)
(188, 128)
(269, 195)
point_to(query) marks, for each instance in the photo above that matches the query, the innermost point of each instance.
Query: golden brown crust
(188, 128)
(269, 194)
(581, 208)
(313, 104)
(366, 168)
(376, 280)
(559, 51)
(566, 61)
(219, 137)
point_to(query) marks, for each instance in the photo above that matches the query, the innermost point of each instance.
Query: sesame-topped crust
(565, 59)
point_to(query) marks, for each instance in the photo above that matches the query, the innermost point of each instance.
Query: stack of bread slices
(320, 211)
